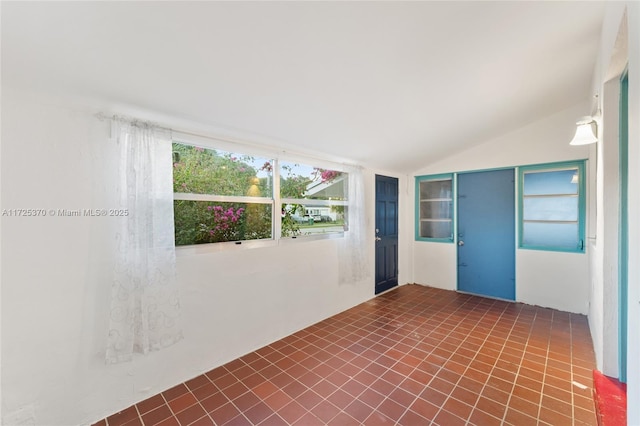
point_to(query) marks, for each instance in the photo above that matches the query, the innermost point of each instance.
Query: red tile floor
(412, 356)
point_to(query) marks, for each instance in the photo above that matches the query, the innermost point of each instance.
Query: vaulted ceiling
(391, 85)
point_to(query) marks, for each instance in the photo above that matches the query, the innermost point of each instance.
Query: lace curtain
(145, 306)
(353, 259)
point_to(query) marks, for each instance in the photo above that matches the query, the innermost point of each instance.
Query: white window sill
(250, 244)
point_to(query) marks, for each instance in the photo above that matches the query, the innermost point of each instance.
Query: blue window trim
(623, 242)
(582, 203)
(443, 176)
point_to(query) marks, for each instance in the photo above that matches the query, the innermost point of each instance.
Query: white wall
(550, 279)
(56, 279)
(633, 323)
(620, 47)
(603, 311)
(553, 280)
(433, 265)
(603, 315)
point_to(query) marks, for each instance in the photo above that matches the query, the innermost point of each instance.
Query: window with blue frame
(552, 207)
(434, 208)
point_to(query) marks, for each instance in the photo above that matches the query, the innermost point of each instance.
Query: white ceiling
(391, 85)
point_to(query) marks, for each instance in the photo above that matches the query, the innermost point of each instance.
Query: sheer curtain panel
(145, 307)
(353, 262)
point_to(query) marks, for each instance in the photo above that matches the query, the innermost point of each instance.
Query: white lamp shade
(584, 135)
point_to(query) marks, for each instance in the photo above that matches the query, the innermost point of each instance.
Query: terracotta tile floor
(412, 356)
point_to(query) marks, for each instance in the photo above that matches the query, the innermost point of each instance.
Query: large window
(434, 208)
(223, 196)
(552, 207)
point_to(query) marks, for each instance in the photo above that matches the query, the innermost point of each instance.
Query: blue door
(386, 233)
(486, 233)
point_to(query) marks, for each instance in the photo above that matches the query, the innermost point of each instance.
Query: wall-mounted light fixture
(584, 133)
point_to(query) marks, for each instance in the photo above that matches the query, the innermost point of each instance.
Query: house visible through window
(552, 207)
(314, 200)
(222, 196)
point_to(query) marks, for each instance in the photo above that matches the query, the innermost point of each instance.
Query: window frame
(437, 177)
(275, 201)
(236, 199)
(308, 202)
(580, 166)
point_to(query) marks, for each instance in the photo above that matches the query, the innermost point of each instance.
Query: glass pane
(312, 183)
(202, 222)
(548, 183)
(551, 208)
(555, 235)
(210, 171)
(300, 219)
(435, 189)
(430, 229)
(435, 210)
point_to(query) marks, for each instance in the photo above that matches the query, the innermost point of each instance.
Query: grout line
(448, 359)
(573, 406)
(485, 384)
(524, 351)
(546, 360)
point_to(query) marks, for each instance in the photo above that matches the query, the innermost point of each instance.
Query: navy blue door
(486, 233)
(386, 233)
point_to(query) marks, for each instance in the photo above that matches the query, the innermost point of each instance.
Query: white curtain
(145, 308)
(353, 252)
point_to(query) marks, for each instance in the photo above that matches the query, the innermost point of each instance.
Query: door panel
(486, 233)
(386, 233)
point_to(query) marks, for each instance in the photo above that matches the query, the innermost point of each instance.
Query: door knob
(461, 243)
(378, 239)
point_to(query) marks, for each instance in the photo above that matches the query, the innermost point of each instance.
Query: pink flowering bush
(326, 175)
(206, 171)
(198, 170)
(222, 224)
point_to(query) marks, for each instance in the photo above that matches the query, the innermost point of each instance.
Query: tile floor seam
(493, 367)
(198, 402)
(546, 358)
(545, 376)
(380, 403)
(435, 374)
(506, 412)
(573, 406)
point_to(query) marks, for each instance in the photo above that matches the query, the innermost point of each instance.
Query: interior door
(486, 233)
(386, 233)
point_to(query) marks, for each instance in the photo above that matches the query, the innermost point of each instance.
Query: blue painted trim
(442, 176)
(623, 236)
(493, 169)
(582, 203)
(454, 210)
(555, 165)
